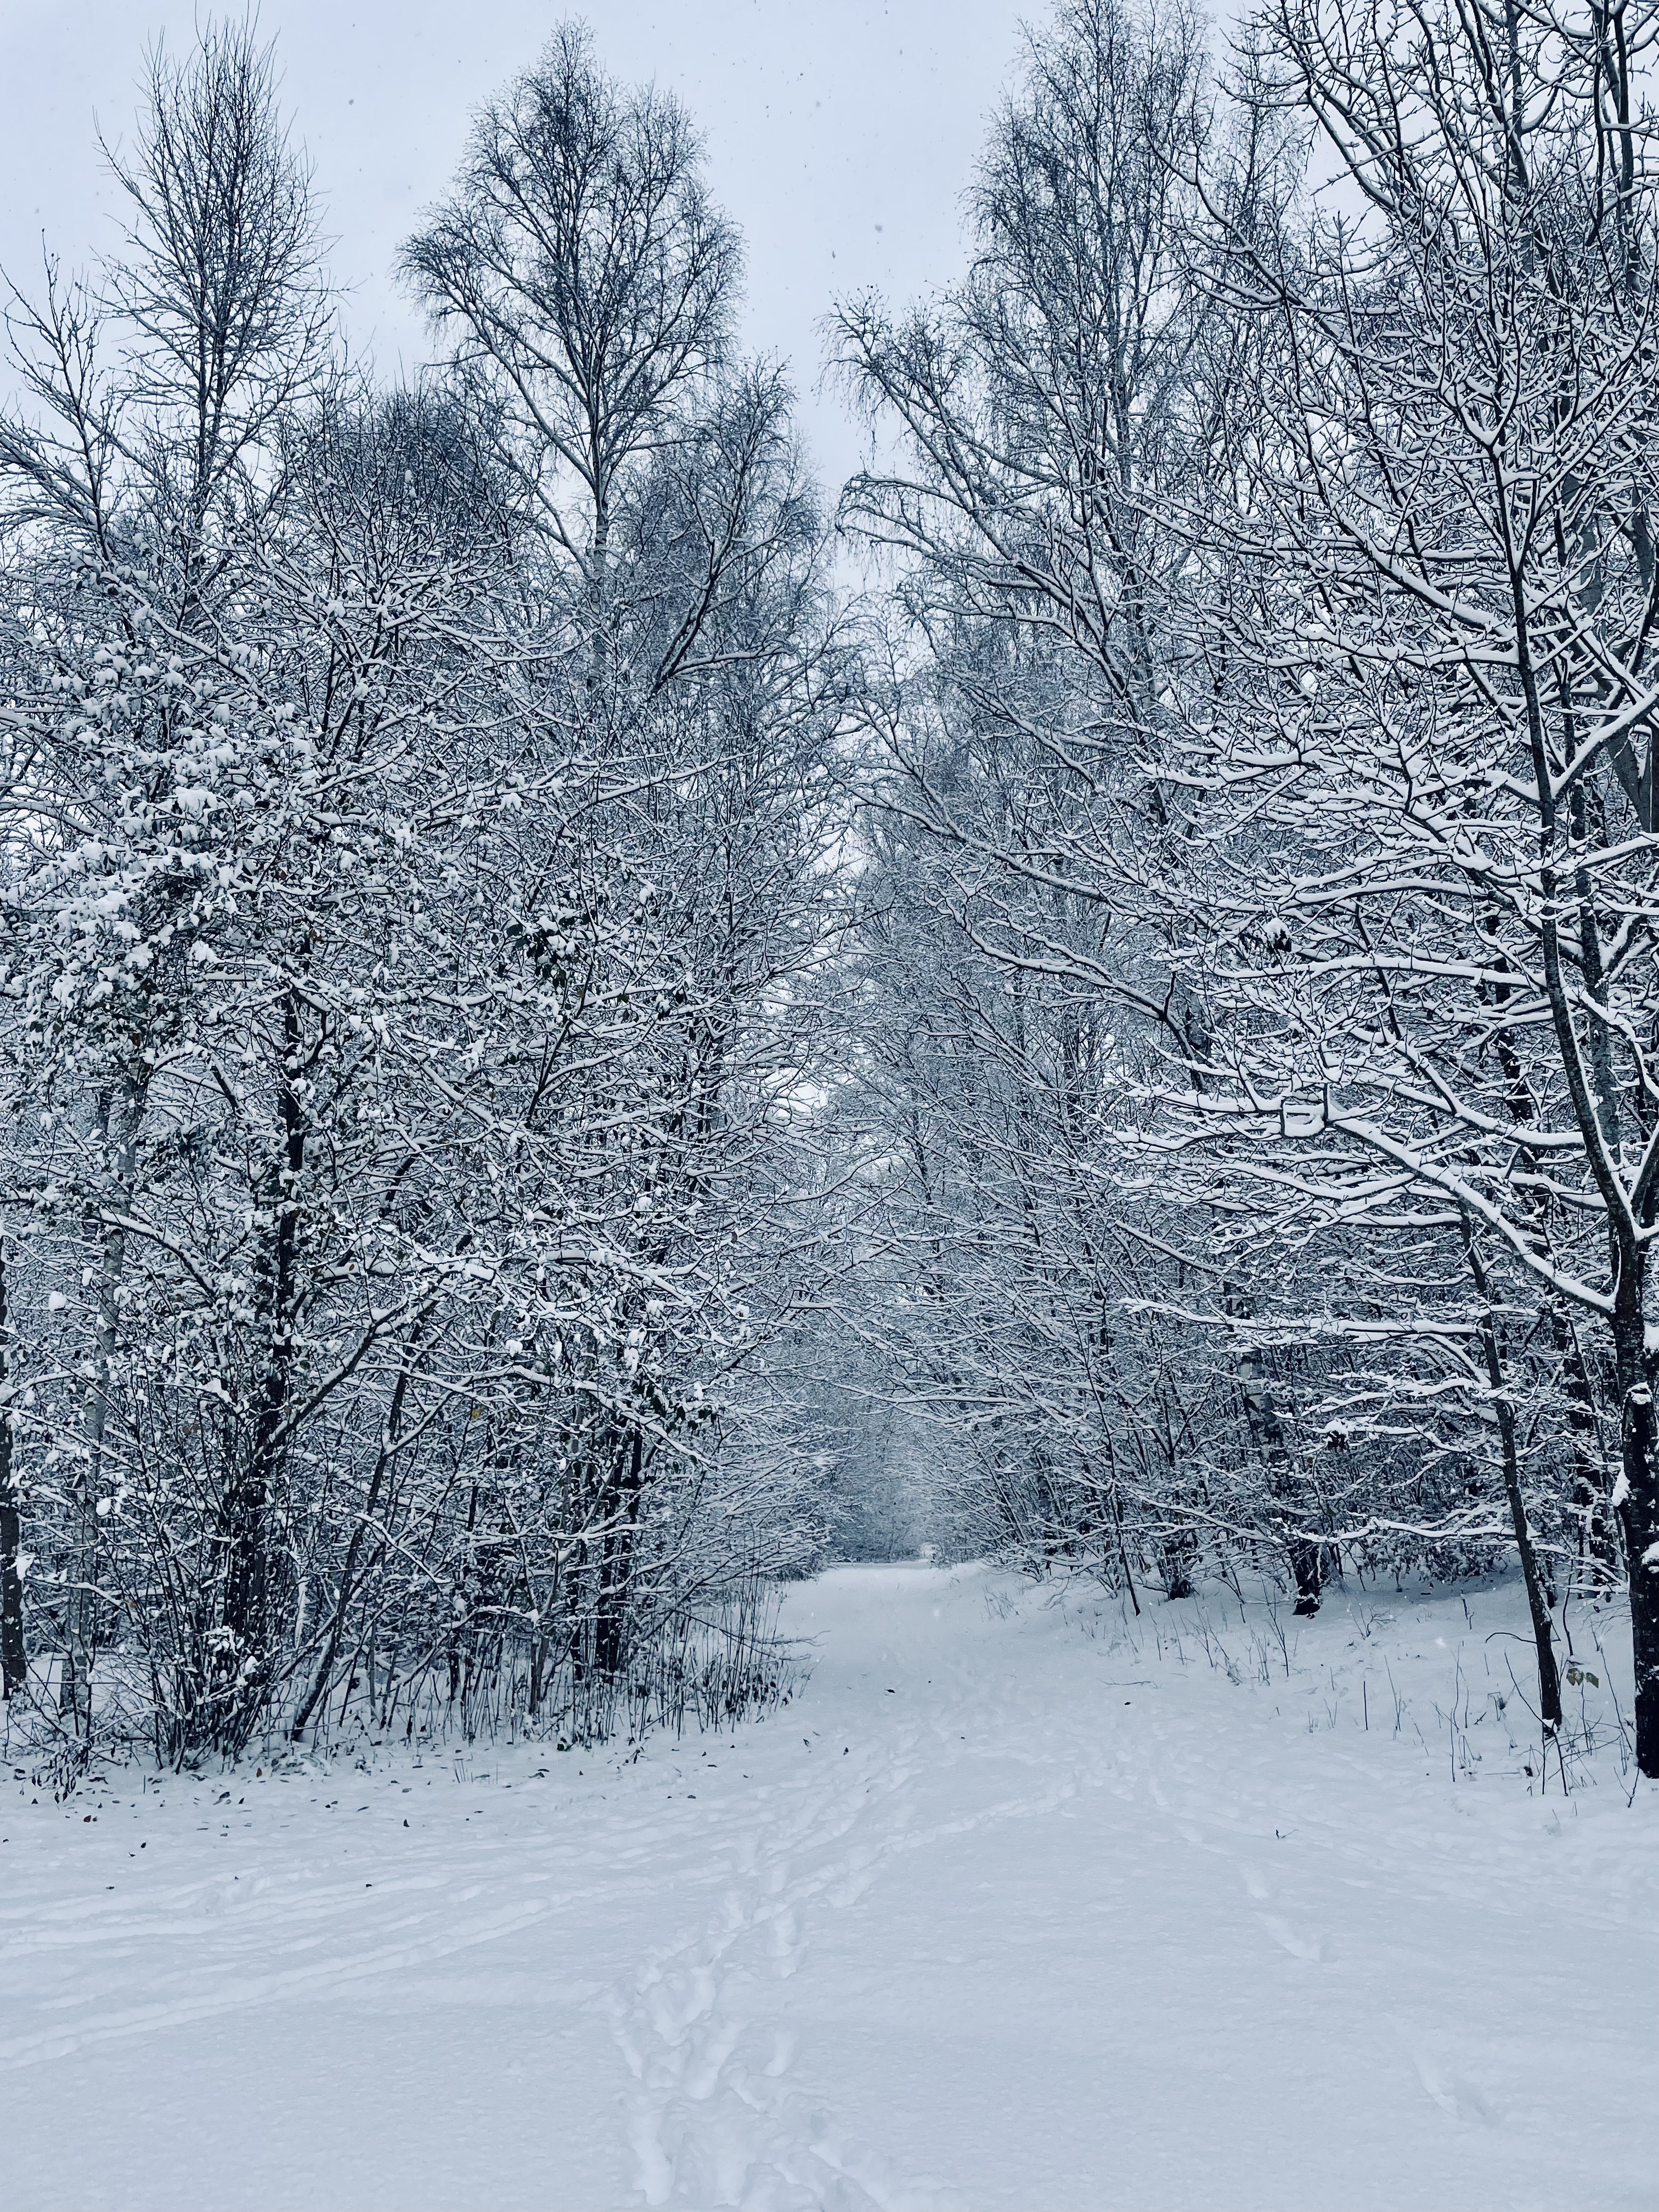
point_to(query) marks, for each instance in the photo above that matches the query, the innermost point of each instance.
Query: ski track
(924, 1866)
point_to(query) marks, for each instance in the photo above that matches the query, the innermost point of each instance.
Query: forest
(589, 1023)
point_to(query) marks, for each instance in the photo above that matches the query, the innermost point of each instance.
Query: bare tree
(1432, 689)
(588, 280)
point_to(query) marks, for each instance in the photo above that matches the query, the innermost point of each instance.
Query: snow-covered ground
(1010, 1908)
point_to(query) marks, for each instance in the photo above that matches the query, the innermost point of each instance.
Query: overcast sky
(840, 134)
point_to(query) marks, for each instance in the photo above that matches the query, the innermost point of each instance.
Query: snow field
(1019, 1904)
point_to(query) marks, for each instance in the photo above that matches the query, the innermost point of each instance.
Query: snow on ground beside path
(1016, 1905)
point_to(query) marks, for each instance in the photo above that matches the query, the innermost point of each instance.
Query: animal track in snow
(716, 2120)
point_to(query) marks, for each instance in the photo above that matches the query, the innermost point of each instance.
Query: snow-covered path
(1001, 1913)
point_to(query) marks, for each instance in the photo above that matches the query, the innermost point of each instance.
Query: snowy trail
(1007, 1909)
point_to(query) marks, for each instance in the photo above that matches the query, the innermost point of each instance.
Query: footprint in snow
(1462, 2099)
(1312, 1948)
(783, 2052)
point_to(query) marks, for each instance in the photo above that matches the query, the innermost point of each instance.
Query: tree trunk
(1637, 1496)
(1266, 1428)
(246, 1589)
(81, 1616)
(610, 1630)
(463, 1605)
(1589, 1485)
(14, 1659)
(349, 1572)
(1543, 1633)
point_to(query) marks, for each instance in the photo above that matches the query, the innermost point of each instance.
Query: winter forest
(593, 1026)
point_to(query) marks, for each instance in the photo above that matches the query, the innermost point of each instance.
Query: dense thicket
(556, 1067)
(416, 909)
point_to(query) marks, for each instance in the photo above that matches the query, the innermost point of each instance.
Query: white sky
(840, 134)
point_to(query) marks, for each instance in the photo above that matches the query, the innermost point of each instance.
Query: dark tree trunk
(246, 1592)
(14, 1659)
(1638, 1511)
(1122, 1547)
(349, 1572)
(119, 1111)
(465, 1602)
(611, 1629)
(1590, 1488)
(1306, 1573)
(1266, 1428)
(1543, 1633)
